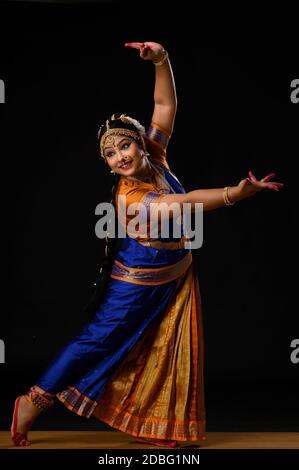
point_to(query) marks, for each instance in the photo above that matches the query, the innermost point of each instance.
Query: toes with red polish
(19, 439)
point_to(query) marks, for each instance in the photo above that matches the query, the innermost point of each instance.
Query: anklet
(40, 400)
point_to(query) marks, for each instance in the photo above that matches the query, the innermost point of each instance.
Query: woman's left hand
(148, 50)
(250, 186)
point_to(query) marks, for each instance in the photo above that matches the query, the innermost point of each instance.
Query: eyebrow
(125, 138)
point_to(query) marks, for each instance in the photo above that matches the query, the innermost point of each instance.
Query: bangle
(226, 199)
(164, 57)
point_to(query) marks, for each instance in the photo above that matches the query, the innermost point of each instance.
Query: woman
(138, 364)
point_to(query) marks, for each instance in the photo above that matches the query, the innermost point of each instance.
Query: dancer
(138, 363)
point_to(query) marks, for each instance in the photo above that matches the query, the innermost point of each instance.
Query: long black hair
(111, 247)
(118, 122)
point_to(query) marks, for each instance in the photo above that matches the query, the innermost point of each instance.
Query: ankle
(30, 410)
(39, 399)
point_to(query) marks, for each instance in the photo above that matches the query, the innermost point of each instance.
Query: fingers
(245, 182)
(264, 182)
(268, 177)
(141, 46)
(134, 45)
(144, 50)
(251, 176)
(275, 186)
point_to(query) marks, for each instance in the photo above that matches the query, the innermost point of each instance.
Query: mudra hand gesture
(250, 186)
(149, 50)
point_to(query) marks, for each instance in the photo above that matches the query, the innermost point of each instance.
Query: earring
(112, 172)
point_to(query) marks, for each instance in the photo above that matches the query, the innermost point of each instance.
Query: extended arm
(216, 197)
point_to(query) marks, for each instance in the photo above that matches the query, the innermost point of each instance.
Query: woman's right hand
(148, 50)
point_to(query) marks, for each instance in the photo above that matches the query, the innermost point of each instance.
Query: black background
(66, 69)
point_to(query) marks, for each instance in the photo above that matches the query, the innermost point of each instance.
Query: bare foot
(25, 413)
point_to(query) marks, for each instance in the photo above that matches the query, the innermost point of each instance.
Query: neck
(145, 173)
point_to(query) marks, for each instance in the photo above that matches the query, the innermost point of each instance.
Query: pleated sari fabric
(138, 365)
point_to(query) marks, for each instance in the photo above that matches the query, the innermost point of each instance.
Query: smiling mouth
(126, 165)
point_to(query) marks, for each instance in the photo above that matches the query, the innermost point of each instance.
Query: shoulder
(132, 191)
(126, 184)
(130, 186)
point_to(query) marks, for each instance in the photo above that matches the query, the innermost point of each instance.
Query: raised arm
(165, 100)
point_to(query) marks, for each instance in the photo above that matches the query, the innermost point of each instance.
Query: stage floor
(119, 440)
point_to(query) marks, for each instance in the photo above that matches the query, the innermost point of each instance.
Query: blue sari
(138, 365)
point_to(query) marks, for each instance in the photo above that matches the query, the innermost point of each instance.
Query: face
(123, 149)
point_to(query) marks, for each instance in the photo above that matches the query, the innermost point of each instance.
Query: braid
(111, 248)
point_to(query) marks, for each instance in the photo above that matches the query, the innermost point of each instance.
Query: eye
(126, 145)
(109, 154)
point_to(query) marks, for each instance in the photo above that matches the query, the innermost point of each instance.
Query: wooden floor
(118, 440)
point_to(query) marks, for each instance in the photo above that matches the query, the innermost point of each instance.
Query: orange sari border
(160, 428)
(157, 390)
(41, 391)
(137, 426)
(77, 402)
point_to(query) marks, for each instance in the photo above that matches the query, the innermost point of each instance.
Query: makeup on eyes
(121, 144)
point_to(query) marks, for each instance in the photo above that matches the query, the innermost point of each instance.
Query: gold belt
(151, 276)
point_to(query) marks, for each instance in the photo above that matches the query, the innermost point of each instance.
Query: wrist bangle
(164, 58)
(226, 199)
